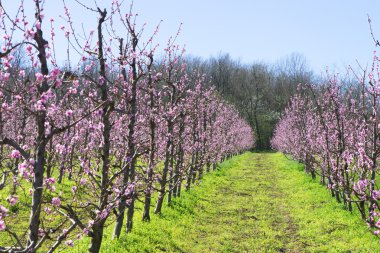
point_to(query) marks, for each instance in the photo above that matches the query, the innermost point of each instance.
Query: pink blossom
(39, 77)
(50, 180)
(56, 202)
(47, 210)
(85, 231)
(75, 83)
(2, 225)
(72, 91)
(15, 154)
(22, 167)
(40, 106)
(29, 48)
(69, 243)
(55, 72)
(22, 73)
(83, 181)
(41, 232)
(58, 83)
(12, 200)
(6, 76)
(30, 33)
(69, 113)
(44, 98)
(3, 211)
(60, 148)
(88, 67)
(101, 80)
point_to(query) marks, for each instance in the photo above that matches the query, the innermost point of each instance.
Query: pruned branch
(62, 129)
(14, 144)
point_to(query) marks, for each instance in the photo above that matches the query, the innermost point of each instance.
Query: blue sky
(329, 33)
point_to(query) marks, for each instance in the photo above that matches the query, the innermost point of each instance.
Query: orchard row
(334, 129)
(79, 147)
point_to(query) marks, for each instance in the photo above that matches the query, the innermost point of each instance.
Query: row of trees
(334, 129)
(78, 148)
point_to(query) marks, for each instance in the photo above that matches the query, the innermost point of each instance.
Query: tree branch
(12, 143)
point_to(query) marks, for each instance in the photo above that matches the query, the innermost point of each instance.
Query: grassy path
(256, 202)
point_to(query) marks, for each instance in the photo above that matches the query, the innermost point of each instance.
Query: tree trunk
(171, 185)
(129, 173)
(178, 166)
(165, 171)
(190, 173)
(34, 221)
(97, 229)
(97, 237)
(152, 147)
(130, 213)
(148, 190)
(39, 167)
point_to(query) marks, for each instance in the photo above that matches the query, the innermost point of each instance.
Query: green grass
(255, 202)
(323, 225)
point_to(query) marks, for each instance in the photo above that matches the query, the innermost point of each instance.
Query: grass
(255, 202)
(323, 225)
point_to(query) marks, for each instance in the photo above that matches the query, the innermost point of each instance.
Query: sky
(328, 33)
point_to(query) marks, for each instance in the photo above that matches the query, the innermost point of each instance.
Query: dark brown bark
(97, 229)
(129, 173)
(190, 173)
(39, 167)
(171, 183)
(152, 150)
(96, 237)
(162, 190)
(179, 161)
(131, 133)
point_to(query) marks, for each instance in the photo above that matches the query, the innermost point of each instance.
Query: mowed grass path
(255, 202)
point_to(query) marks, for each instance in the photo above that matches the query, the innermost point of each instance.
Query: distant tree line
(259, 91)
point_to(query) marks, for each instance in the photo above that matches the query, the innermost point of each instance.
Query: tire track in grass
(251, 215)
(289, 236)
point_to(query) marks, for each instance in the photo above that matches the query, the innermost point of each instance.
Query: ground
(255, 202)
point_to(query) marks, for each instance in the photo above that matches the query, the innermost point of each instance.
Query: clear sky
(331, 33)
